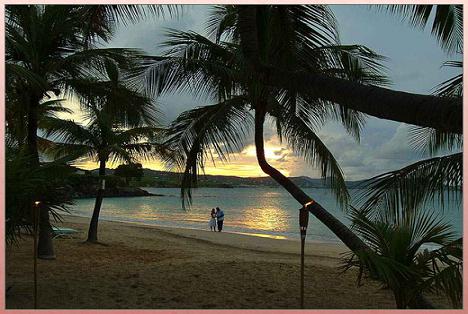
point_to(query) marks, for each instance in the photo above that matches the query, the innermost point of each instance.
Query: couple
(216, 216)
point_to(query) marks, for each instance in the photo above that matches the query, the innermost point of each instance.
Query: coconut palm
(433, 180)
(104, 141)
(121, 126)
(437, 179)
(218, 67)
(447, 27)
(43, 49)
(398, 258)
(46, 45)
(294, 37)
(423, 110)
(43, 45)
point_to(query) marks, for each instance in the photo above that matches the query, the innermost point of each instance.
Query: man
(220, 218)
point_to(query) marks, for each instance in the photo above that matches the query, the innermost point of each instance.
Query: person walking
(212, 222)
(219, 218)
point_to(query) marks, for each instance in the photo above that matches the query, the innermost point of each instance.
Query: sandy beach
(147, 267)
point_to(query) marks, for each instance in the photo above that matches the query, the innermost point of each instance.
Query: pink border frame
(2, 157)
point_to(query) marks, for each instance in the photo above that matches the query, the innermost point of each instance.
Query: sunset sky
(414, 65)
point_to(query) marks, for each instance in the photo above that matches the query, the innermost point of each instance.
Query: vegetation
(121, 127)
(271, 63)
(399, 259)
(264, 59)
(47, 48)
(292, 39)
(26, 185)
(128, 171)
(398, 200)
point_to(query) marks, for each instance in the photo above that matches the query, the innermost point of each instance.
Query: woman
(212, 222)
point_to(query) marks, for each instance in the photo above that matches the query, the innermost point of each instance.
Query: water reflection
(263, 235)
(270, 211)
(267, 218)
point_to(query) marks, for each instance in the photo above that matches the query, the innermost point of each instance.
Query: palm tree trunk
(31, 135)
(45, 246)
(93, 226)
(441, 113)
(448, 119)
(337, 227)
(351, 240)
(444, 114)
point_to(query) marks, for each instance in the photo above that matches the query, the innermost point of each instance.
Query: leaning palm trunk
(93, 226)
(337, 227)
(443, 114)
(349, 238)
(449, 121)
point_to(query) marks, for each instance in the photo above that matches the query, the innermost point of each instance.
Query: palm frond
(67, 131)
(24, 74)
(26, 184)
(395, 257)
(297, 126)
(447, 24)
(431, 141)
(453, 87)
(101, 20)
(357, 63)
(222, 22)
(134, 135)
(398, 192)
(195, 64)
(69, 152)
(445, 269)
(207, 132)
(314, 25)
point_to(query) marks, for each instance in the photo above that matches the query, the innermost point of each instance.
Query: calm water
(269, 212)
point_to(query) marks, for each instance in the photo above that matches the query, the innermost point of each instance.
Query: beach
(147, 267)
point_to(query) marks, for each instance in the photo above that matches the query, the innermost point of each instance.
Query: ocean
(266, 212)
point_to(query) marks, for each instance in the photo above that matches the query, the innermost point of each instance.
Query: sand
(147, 267)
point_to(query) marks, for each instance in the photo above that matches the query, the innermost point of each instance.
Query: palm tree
(294, 38)
(447, 27)
(438, 177)
(220, 68)
(49, 44)
(424, 110)
(398, 260)
(102, 140)
(121, 126)
(24, 184)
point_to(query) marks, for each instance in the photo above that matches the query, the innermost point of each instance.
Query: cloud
(414, 65)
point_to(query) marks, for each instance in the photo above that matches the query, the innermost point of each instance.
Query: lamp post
(35, 228)
(303, 223)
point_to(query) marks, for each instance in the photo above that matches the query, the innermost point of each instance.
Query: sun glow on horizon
(242, 164)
